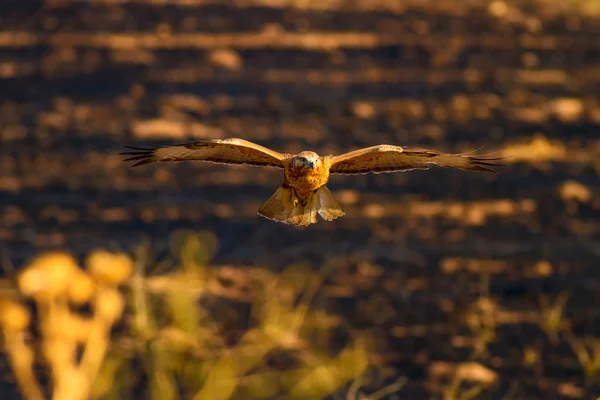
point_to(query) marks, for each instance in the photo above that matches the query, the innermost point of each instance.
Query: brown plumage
(303, 194)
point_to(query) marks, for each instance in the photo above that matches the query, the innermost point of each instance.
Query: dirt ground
(423, 259)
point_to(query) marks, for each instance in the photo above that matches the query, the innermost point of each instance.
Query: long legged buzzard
(303, 194)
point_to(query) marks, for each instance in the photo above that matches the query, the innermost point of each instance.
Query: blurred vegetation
(175, 334)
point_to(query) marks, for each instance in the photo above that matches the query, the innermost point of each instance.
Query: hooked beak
(310, 164)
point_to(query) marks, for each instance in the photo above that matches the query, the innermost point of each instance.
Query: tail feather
(283, 206)
(279, 206)
(329, 209)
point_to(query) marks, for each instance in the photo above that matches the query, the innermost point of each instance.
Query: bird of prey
(303, 194)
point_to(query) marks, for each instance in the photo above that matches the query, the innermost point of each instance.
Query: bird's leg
(305, 201)
(295, 199)
(306, 198)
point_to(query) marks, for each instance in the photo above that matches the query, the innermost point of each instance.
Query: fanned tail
(284, 206)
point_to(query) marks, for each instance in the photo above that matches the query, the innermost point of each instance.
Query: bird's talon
(295, 199)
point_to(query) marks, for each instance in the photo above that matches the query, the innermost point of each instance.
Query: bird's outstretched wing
(224, 151)
(388, 158)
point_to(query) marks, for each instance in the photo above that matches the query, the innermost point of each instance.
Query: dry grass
(171, 334)
(120, 329)
(73, 345)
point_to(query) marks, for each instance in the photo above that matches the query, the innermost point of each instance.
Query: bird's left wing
(224, 151)
(388, 158)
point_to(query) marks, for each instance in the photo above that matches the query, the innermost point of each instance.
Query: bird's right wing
(224, 151)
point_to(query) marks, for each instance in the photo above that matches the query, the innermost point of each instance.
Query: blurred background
(443, 268)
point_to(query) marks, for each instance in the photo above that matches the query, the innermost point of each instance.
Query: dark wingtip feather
(144, 155)
(484, 169)
(482, 163)
(143, 162)
(138, 157)
(142, 148)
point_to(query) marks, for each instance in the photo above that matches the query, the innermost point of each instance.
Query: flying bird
(303, 194)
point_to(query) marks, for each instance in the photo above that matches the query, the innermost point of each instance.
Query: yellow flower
(68, 326)
(60, 353)
(109, 304)
(81, 287)
(74, 384)
(47, 276)
(110, 268)
(80, 328)
(14, 317)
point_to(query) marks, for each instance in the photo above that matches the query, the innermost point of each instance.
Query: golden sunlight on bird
(303, 195)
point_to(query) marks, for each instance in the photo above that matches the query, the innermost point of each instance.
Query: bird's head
(306, 159)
